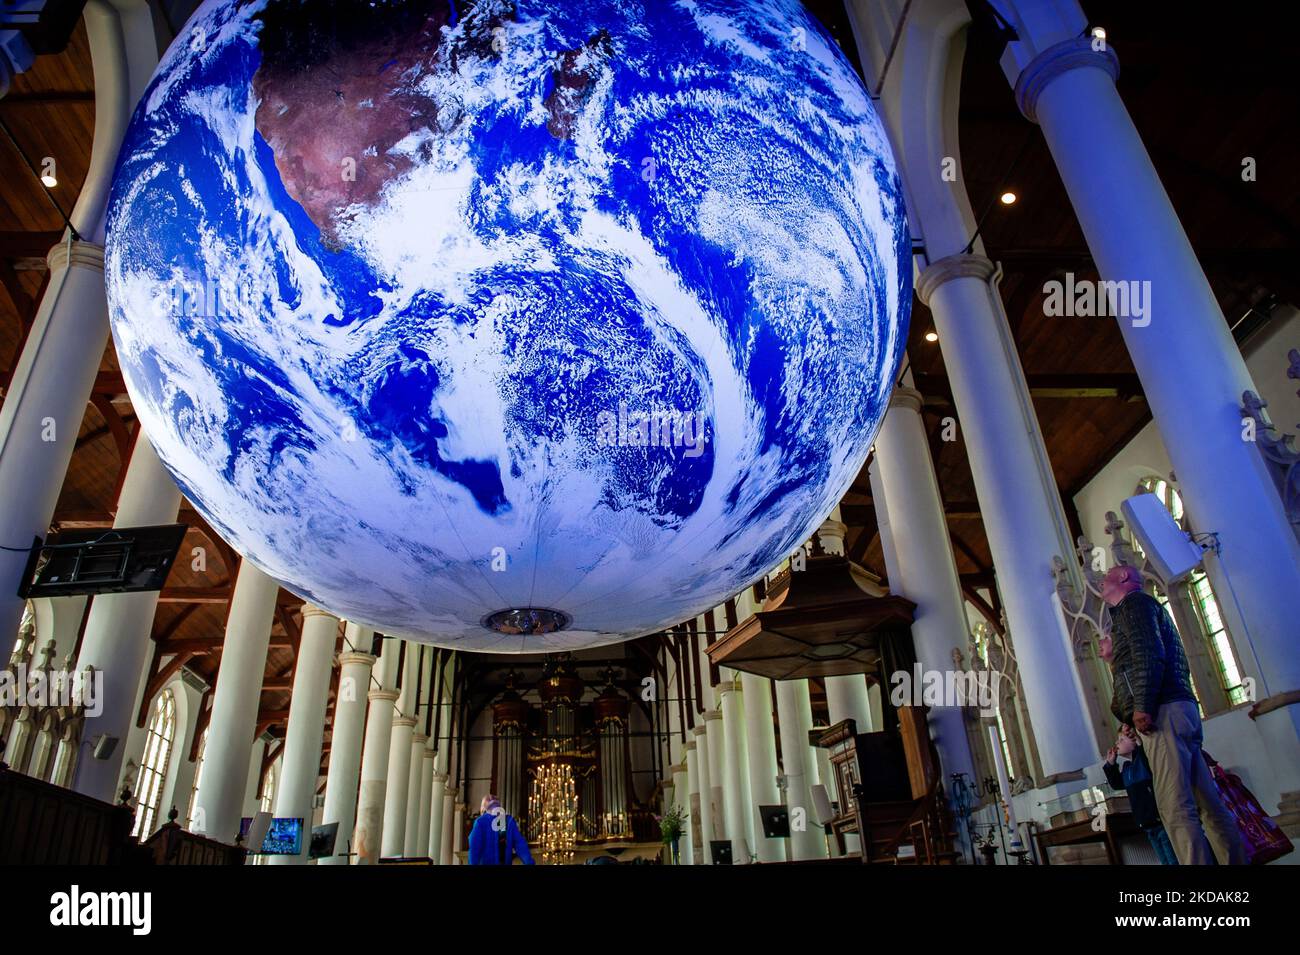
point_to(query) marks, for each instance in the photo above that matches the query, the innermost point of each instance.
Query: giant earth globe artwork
(509, 326)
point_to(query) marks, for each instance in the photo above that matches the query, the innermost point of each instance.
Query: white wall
(59, 619)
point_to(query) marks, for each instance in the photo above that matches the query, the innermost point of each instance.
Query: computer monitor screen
(323, 839)
(284, 838)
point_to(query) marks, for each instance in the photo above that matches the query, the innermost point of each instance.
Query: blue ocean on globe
(437, 310)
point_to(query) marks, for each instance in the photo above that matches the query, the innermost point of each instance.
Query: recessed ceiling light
(1099, 32)
(931, 336)
(49, 182)
(1008, 198)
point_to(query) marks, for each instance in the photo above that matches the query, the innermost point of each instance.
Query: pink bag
(1264, 840)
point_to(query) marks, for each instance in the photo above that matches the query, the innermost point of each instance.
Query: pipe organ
(562, 766)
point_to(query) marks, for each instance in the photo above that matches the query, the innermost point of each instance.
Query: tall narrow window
(1213, 629)
(198, 777)
(982, 636)
(153, 767)
(268, 790)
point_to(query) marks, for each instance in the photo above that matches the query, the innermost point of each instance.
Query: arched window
(198, 777)
(26, 642)
(268, 790)
(1206, 605)
(153, 767)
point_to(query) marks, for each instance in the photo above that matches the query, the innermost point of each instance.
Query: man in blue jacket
(1153, 694)
(495, 838)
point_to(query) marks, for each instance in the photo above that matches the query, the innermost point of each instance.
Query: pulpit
(870, 770)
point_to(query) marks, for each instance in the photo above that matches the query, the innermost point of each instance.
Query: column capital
(440, 778)
(830, 535)
(725, 687)
(712, 715)
(403, 721)
(677, 768)
(689, 746)
(961, 265)
(905, 397)
(377, 695)
(698, 730)
(430, 754)
(421, 739)
(87, 255)
(1073, 54)
(355, 656)
(311, 610)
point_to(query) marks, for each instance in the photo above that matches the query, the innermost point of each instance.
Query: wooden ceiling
(1200, 114)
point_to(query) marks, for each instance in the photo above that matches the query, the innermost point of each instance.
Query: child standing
(1127, 769)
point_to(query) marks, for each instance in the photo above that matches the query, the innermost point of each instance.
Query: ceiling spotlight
(1008, 198)
(931, 336)
(49, 182)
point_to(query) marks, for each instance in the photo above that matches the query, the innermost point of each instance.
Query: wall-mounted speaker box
(1172, 554)
(822, 805)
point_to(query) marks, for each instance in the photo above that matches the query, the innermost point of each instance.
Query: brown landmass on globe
(337, 89)
(572, 81)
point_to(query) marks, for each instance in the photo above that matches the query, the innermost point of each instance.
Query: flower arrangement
(672, 824)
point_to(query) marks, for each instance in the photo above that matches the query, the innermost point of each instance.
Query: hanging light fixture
(553, 807)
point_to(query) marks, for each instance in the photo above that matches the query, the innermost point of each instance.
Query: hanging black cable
(35, 173)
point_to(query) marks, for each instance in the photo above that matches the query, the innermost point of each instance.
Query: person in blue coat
(495, 838)
(1127, 770)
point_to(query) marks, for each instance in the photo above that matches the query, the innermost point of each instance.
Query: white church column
(926, 570)
(717, 772)
(441, 803)
(695, 810)
(847, 699)
(1014, 483)
(235, 701)
(367, 838)
(760, 749)
(682, 799)
(54, 375)
(437, 799)
(739, 806)
(702, 781)
(794, 714)
(424, 799)
(446, 850)
(458, 833)
(1017, 494)
(1191, 370)
(415, 809)
(846, 696)
(43, 408)
(117, 636)
(344, 775)
(305, 734)
(399, 762)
